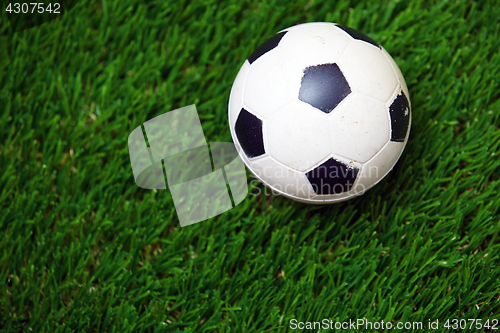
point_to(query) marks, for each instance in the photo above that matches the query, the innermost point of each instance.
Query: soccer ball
(320, 113)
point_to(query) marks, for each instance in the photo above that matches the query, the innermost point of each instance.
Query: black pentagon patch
(332, 177)
(399, 112)
(249, 132)
(267, 46)
(323, 86)
(358, 35)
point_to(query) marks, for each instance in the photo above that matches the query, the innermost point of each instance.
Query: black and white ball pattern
(320, 111)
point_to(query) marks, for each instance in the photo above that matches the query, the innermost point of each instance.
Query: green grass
(84, 250)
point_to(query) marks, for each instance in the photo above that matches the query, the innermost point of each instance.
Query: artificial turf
(83, 249)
